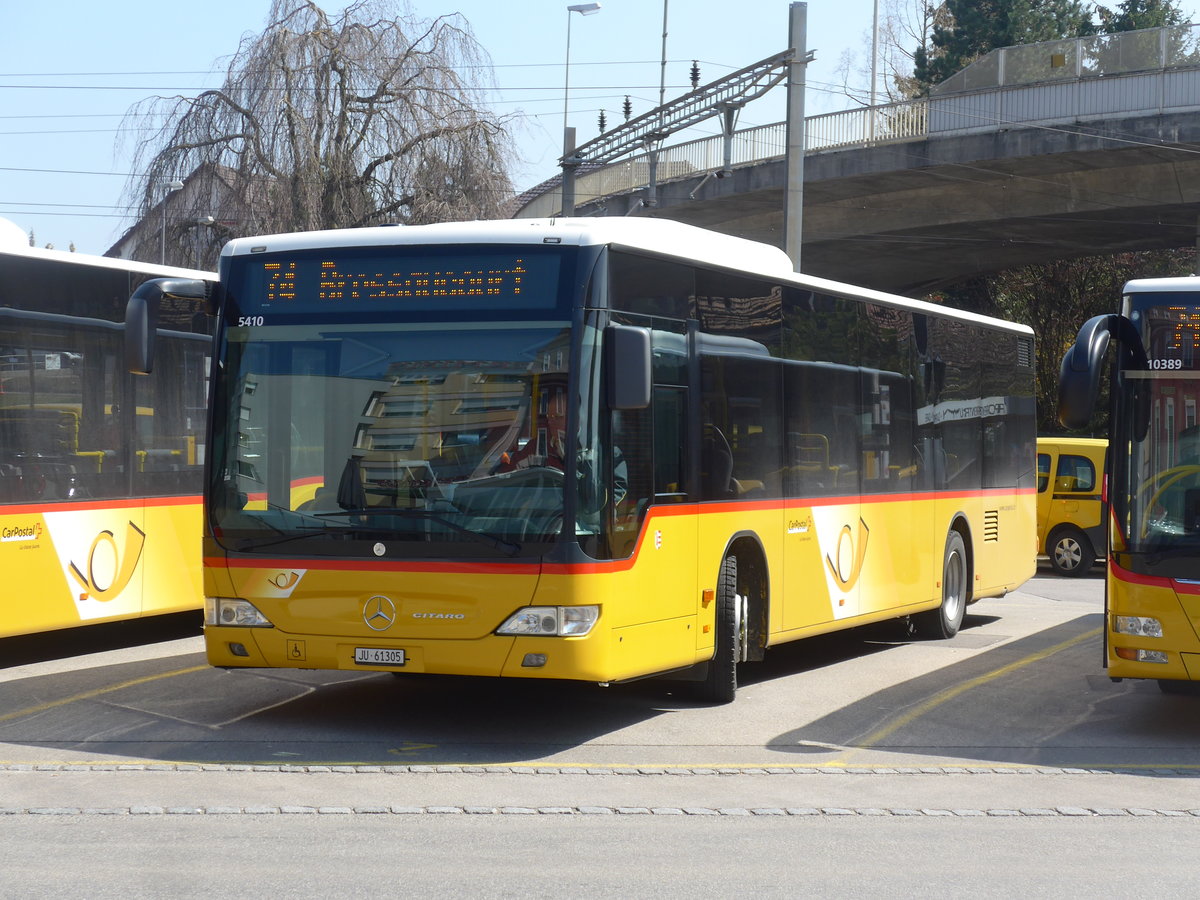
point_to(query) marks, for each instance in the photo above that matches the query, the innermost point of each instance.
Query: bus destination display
(379, 282)
(1172, 335)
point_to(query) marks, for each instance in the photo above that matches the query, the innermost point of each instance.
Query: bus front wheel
(1181, 688)
(945, 621)
(720, 683)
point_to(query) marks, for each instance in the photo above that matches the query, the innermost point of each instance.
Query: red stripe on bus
(1133, 578)
(370, 565)
(27, 509)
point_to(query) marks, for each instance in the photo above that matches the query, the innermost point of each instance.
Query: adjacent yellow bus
(1152, 591)
(594, 449)
(100, 472)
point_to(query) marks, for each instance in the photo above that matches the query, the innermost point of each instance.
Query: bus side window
(670, 445)
(716, 464)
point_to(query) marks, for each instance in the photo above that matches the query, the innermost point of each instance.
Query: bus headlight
(552, 621)
(1140, 626)
(234, 612)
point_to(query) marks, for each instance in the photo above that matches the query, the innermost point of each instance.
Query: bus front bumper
(575, 658)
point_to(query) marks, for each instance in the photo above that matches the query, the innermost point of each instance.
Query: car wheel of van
(945, 621)
(720, 684)
(1070, 552)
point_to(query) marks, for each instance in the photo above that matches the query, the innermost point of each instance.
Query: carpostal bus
(594, 449)
(101, 472)
(1152, 590)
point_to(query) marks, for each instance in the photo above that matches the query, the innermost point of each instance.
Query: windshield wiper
(506, 547)
(312, 532)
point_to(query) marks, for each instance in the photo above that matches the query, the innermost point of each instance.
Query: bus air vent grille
(1025, 352)
(991, 525)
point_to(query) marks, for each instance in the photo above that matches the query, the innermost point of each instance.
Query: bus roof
(23, 250)
(1185, 284)
(659, 235)
(663, 236)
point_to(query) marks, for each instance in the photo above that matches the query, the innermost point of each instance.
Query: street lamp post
(168, 188)
(568, 161)
(202, 223)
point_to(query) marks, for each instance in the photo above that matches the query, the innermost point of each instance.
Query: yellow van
(1070, 524)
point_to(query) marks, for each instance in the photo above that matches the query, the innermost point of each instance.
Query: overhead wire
(1022, 181)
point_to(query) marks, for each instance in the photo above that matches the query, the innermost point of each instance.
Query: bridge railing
(830, 131)
(866, 127)
(1155, 69)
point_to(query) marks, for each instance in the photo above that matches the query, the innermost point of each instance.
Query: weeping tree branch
(371, 116)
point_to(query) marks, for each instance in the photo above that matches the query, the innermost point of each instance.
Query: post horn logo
(284, 580)
(854, 554)
(92, 584)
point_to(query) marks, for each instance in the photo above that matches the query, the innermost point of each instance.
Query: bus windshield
(396, 429)
(1158, 505)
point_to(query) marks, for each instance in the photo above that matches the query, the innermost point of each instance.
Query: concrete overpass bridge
(1044, 151)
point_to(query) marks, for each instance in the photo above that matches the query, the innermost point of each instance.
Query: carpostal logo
(11, 533)
(801, 526)
(846, 562)
(107, 571)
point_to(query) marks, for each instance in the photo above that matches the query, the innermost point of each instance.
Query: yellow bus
(1152, 591)
(595, 449)
(100, 472)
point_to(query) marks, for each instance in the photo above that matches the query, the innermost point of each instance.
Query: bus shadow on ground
(1042, 700)
(177, 708)
(87, 639)
(181, 710)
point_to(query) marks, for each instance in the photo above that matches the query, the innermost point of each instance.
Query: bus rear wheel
(945, 621)
(720, 683)
(1070, 552)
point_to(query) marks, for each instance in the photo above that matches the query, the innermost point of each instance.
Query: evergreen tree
(1134, 14)
(976, 27)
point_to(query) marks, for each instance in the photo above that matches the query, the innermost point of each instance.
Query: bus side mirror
(627, 361)
(141, 317)
(1079, 376)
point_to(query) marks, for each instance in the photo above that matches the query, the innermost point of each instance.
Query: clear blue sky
(65, 85)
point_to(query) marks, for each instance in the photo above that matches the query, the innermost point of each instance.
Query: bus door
(671, 489)
(740, 436)
(826, 537)
(165, 423)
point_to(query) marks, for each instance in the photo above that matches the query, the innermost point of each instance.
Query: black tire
(720, 684)
(1179, 688)
(945, 621)
(1071, 553)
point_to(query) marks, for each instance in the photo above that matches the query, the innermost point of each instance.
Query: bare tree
(904, 26)
(376, 116)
